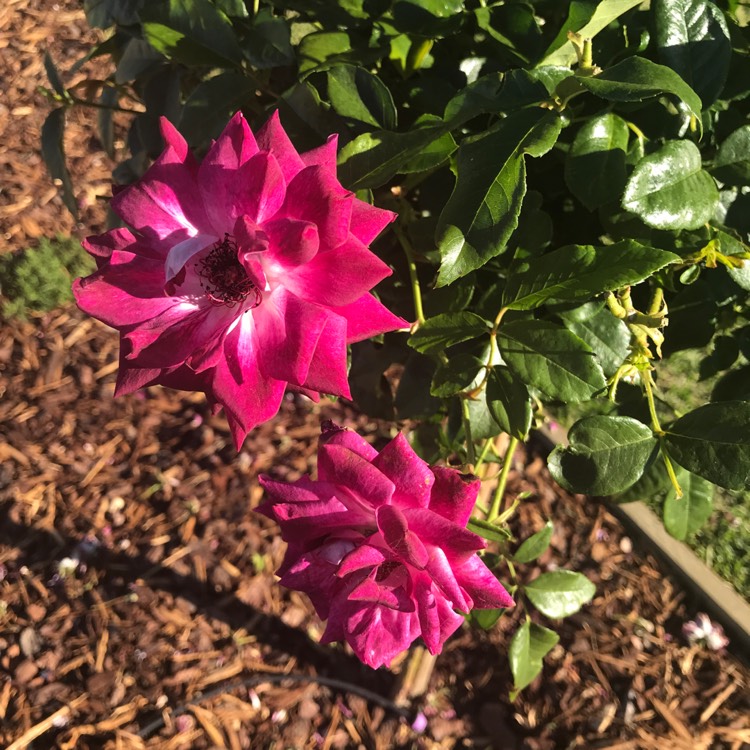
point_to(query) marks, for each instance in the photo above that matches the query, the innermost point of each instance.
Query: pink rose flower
(241, 275)
(379, 544)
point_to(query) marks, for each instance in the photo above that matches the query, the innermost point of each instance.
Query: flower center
(223, 277)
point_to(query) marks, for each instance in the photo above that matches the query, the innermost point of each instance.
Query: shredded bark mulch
(138, 606)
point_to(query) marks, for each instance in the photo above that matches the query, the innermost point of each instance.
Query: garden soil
(138, 604)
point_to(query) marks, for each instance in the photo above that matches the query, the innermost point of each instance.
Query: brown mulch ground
(173, 603)
(171, 632)
(30, 207)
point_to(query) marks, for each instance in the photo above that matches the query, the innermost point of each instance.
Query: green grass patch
(38, 279)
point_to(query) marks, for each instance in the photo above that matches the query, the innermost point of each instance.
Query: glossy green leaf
(321, 46)
(495, 92)
(486, 618)
(211, 104)
(693, 39)
(459, 374)
(430, 18)
(371, 159)
(686, 515)
(714, 442)
(487, 530)
(483, 209)
(550, 358)
(528, 647)
(605, 455)
(578, 272)
(535, 545)
(356, 93)
(53, 153)
(508, 402)
(636, 79)
(653, 483)
(587, 24)
(447, 329)
(595, 166)
(193, 32)
(267, 43)
(483, 425)
(669, 189)
(608, 336)
(732, 162)
(560, 593)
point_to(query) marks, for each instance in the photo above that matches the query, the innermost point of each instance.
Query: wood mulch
(138, 605)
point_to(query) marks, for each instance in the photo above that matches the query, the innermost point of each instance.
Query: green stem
(416, 290)
(483, 454)
(660, 434)
(470, 455)
(497, 498)
(99, 105)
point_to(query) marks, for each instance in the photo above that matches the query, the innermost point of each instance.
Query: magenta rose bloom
(241, 275)
(379, 544)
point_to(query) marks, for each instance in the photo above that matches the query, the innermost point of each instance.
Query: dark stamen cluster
(223, 278)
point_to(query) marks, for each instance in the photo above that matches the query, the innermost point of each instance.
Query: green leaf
(595, 166)
(268, 43)
(686, 515)
(53, 153)
(498, 92)
(693, 39)
(550, 358)
(483, 209)
(535, 545)
(529, 645)
(357, 93)
(577, 272)
(487, 530)
(562, 52)
(54, 77)
(486, 618)
(636, 79)
(653, 483)
(560, 593)
(430, 18)
(210, 105)
(732, 162)
(714, 442)
(108, 99)
(606, 455)
(371, 159)
(608, 336)
(669, 190)
(105, 13)
(508, 402)
(192, 32)
(483, 425)
(447, 329)
(321, 46)
(461, 373)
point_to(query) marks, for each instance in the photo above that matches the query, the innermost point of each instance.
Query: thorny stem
(416, 290)
(466, 417)
(497, 498)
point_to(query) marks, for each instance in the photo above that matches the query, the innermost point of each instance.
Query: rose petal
(410, 474)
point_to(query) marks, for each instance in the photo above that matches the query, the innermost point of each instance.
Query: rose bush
(568, 179)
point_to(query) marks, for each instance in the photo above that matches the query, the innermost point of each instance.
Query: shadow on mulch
(172, 601)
